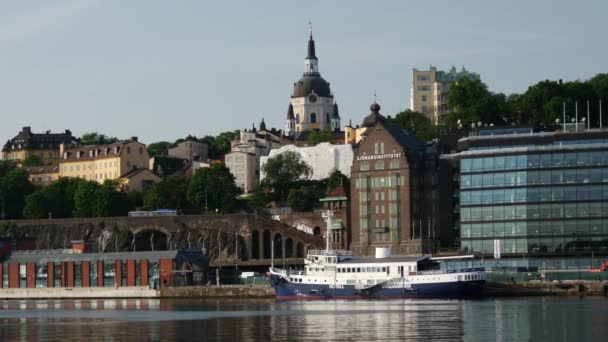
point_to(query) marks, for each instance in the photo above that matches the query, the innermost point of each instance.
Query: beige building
(189, 149)
(43, 145)
(245, 168)
(138, 180)
(43, 175)
(101, 162)
(430, 88)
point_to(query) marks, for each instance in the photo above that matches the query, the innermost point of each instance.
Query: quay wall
(78, 292)
(538, 288)
(238, 291)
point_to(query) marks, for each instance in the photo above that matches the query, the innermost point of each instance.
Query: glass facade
(552, 200)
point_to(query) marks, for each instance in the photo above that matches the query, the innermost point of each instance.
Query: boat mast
(329, 213)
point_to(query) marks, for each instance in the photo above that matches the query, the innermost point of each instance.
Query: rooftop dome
(309, 83)
(375, 116)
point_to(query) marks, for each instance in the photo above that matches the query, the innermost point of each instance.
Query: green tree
(220, 144)
(56, 199)
(317, 137)
(283, 170)
(169, 193)
(85, 199)
(110, 200)
(472, 102)
(15, 186)
(158, 149)
(214, 188)
(95, 138)
(415, 123)
(336, 179)
(32, 160)
(302, 199)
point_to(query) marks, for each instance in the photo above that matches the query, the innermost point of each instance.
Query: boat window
(358, 269)
(383, 269)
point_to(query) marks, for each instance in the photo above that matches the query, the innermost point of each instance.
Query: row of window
(532, 161)
(393, 195)
(543, 194)
(533, 228)
(534, 211)
(527, 131)
(95, 166)
(379, 165)
(379, 182)
(536, 245)
(109, 275)
(523, 178)
(363, 269)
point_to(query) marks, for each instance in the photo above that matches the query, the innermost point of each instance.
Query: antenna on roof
(310, 27)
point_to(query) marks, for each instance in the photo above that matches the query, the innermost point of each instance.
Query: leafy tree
(282, 170)
(219, 145)
(14, 187)
(169, 193)
(416, 123)
(472, 102)
(6, 166)
(57, 199)
(166, 166)
(95, 138)
(158, 148)
(302, 199)
(32, 160)
(85, 199)
(258, 197)
(317, 137)
(336, 179)
(214, 188)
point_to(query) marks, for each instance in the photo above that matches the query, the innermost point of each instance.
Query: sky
(161, 70)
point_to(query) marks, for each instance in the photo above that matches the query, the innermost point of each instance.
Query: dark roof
(42, 141)
(311, 48)
(336, 113)
(97, 151)
(290, 112)
(61, 255)
(309, 83)
(375, 116)
(134, 172)
(383, 260)
(262, 125)
(36, 170)
(403, 137)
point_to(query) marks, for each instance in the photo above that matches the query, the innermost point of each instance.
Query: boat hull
(288, 290)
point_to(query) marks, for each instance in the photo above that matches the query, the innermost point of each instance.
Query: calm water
(537, 319)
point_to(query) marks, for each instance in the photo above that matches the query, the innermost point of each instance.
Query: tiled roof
(135, 172)
(94, 152)
(37, 170)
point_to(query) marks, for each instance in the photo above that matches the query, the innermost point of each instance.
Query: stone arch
(289, 248)
(316, 231)
(266, 245)
(300, 250)
(255, 244)
(149, 239)
(278, 246)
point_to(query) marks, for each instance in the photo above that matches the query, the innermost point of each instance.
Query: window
(364, 166)
(128, 149)
(379, 165)
(313, 118)
(394, 164)
(423, 98)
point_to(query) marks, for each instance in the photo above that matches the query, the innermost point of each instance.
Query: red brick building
(390, 181)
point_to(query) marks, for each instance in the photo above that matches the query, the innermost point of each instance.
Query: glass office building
(538, 193)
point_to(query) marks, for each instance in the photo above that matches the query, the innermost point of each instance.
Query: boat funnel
(383, 252)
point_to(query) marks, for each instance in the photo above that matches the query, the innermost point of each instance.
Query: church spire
(311, 63)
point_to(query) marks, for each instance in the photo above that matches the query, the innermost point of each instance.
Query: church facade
(312, 105)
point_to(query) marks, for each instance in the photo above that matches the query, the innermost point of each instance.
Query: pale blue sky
(164, 69)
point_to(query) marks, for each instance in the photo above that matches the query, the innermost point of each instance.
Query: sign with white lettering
(381, 156)
(304, 228)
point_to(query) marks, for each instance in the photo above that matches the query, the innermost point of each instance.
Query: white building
(322, 158)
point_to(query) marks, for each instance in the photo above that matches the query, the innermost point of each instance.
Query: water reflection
(251, 320)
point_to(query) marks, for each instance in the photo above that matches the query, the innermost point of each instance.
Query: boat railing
(278, 271)
(463, 270)
(332, 252)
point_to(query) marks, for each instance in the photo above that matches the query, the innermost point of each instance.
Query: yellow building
(43, 175)
(138, 180)
(43, 145)
(101, 162)
(430, 89)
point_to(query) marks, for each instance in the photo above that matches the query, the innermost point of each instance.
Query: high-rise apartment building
(430, 88)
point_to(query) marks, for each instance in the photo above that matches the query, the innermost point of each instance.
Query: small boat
(341, 275)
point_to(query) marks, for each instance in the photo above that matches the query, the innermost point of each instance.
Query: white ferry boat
(339, 274)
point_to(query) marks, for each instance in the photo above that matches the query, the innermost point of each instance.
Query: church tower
(312, 102)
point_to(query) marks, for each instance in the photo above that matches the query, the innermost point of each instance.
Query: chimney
(27, 129)
(134, 139)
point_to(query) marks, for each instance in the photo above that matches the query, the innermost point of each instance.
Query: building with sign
(393, 194)
(539, 193)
